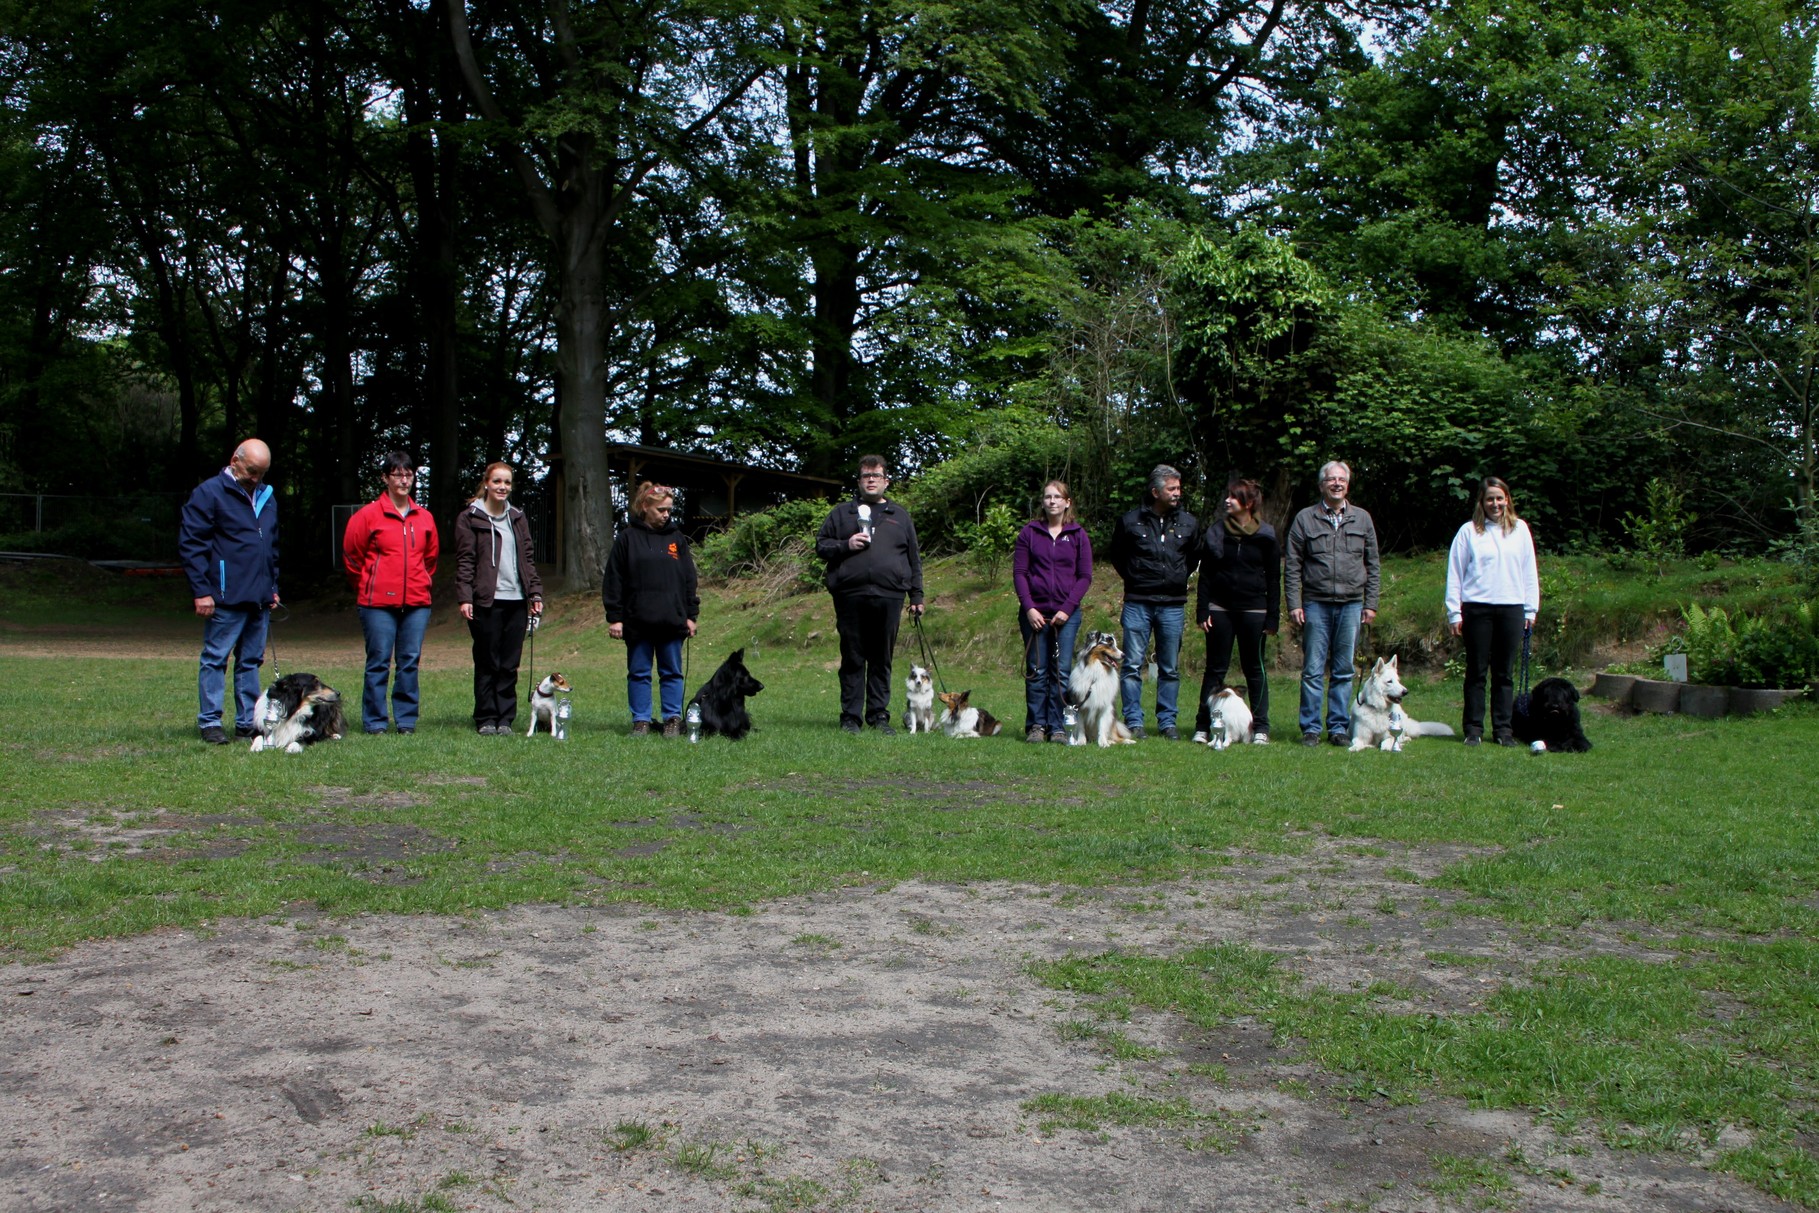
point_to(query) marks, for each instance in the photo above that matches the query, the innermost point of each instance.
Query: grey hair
(1335, 463)
(1160, 475)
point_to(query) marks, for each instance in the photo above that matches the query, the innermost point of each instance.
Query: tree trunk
(587, 513)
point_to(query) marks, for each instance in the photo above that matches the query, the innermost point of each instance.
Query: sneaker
(1260, 739)
(1136, 732)
(406, 732)
(1342, 740)
(1058, 737)
(1199, 737)
(1036, 735)
(672, 726)
(245, 732)
(214, 735)
(851, 726)
(1310, 739)
(486, 730)
(1505, 739)
(1474, 739)
(1170, 733)
(641, 728)
(884, 728)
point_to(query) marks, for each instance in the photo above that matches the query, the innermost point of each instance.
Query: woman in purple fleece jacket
(1052, 569)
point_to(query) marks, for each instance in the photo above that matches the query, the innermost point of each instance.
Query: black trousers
(1246, 629)
(868, 638)
(498, 633)
(1493, 634)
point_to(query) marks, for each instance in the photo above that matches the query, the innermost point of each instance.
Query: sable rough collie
(1092, 687)
(543, 703)
(308, 710)
(960, 720)
(919, 711)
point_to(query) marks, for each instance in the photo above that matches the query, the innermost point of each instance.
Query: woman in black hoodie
(649, 591)
(1240, 575)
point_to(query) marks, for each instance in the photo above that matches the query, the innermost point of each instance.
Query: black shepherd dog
(1553, 717)
(722, 699)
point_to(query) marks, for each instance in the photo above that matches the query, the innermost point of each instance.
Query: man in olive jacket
(1153, 551)
(1331, 571)
(869, 545)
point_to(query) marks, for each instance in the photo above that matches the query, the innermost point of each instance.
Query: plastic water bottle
(694, 723)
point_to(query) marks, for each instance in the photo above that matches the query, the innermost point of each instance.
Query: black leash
(928, 656)
(531, 623)
(1520, 707)
(270, 648)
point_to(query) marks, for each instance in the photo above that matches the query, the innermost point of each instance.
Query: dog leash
(531, 622)
(270, 648)
(928, 655)
(1520, 706)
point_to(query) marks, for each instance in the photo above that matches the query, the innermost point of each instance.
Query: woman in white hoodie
(1492, 594)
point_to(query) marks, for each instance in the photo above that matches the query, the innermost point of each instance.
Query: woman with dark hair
(650, 594)
(496, 584)
(1052, 568)
(1240, 583)
(389, 554)
(1492, 595)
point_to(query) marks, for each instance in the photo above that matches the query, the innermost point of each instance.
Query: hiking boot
(1342, 740)
(851, 726)
(245, 732)
(1136, 732)
(1058, 737)
(1170, 733)
(672, 726)
(1036, 735)
(214, 735)
(1310, 739)
(884, 727)
(641, 728)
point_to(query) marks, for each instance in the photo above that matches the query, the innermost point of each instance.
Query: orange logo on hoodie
(673, 555)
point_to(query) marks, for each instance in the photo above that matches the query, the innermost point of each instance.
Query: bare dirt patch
(867, 1049)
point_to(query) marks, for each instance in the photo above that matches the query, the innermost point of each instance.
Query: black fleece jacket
(649, 582)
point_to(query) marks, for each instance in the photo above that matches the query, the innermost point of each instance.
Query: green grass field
(1699, 836)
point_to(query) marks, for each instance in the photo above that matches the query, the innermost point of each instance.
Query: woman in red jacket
(389, 552)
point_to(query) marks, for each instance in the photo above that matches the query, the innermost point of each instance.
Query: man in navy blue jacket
(229, 546)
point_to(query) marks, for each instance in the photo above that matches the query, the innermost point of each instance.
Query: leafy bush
(1801, 549)
(777, 544)
(989, 541)
(1710, 646)
(1781, 651)
(1660, 534)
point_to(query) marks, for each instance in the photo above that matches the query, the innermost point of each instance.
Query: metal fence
(140, 527)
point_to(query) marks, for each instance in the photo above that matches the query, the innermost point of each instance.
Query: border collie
(297, 710)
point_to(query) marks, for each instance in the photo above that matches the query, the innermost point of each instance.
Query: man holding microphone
(869, 545)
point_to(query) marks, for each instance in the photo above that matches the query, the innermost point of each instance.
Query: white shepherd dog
(1380, 696)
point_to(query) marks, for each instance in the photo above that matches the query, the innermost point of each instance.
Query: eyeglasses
(873, 476)
(407, 473)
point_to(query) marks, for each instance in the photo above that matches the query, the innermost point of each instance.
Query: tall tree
(589, 102)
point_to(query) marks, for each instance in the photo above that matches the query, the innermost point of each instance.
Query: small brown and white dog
(543, 703)
(1092, 688)
(295, 711)
(1228, 705)
(919, 713)
(960, 720)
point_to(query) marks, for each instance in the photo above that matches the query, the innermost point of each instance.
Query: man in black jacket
(1153, 551)
(869, 545)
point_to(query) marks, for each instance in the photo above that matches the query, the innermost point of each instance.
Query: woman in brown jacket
(496, 584)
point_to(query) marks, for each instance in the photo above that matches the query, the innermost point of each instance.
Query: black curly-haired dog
(722, 699)
(1553, 717)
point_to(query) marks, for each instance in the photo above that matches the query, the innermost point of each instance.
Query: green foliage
(1801, 549)
(776, 543)
(1778, 650)
(988, 542)
(1710, 644)
(1659, 533)
(1008, 456)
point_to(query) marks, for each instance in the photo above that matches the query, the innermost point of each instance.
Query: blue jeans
(238, 631)
(638, 654)
(1328, 641)
(1048, 661)
(1138, 621)
(391, 631)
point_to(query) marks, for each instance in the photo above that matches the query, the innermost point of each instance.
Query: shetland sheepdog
(1092, 688)
(1228, 705)
(919, 712)
(960, 720)
(296, 711)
